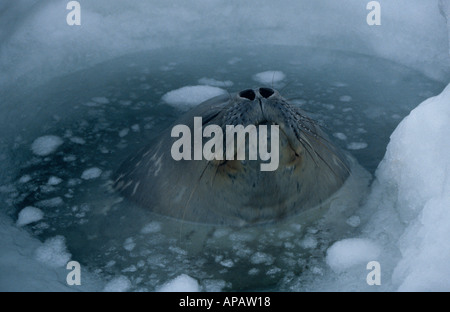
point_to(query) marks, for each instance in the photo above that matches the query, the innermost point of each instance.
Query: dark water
(109, 111)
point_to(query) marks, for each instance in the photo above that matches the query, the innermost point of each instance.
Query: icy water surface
(101, 115)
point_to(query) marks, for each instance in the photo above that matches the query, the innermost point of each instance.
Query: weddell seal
(224, 191)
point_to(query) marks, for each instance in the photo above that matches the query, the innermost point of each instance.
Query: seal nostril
(266, 92)
(248, 94)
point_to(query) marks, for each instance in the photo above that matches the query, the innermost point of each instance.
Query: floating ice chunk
(135, 128)
(269, 77)
(353, 221)
(100, 100)
(25, 179)
(29, 215)
(340, 136)
(215, 83)
(317, 271)
(273, 271)
(234, 60)
(125, 102)
(178, 250)
(124, 132)
(214, 285)
(182, 283)
(228, 263)
(130, 269)
(50, 203)
(54, 180)
(53, 252)
(328, 106)
(339, 84)
(345, 98)
(69, 158)
(260, 257)
(129, 244)
(78, 140)
(91, 173)
(152, 227)
(118, 284)
(46, 145)
(299, 102)
(357, 145)
(253, 271)
(218, 233)
(346, 253)
(309, 242)
(191, 96)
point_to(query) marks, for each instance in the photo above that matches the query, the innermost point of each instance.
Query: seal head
(237, 192)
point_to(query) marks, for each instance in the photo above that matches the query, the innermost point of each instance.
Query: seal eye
(266, 92)
(248, 94)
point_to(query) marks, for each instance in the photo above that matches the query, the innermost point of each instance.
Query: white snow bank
(269, 77)
(350, 252)
(417, 159)
(417, 166)
(53, 252)
(182, 283)
(29, 215)
(46, 145)
(413, 32)
(20, 271)
(189, 96)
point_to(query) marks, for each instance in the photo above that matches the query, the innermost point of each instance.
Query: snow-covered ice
(20, 270)
(416, 166)
(407, 213)
(408, 229)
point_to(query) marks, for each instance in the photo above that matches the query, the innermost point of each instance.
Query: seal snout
(266, 92)
(251, 94)
(248, 94)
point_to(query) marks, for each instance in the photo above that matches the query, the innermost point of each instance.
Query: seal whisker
(190, 197)
(332, 152)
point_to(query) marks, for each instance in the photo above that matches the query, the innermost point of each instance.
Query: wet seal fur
(237, 193)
